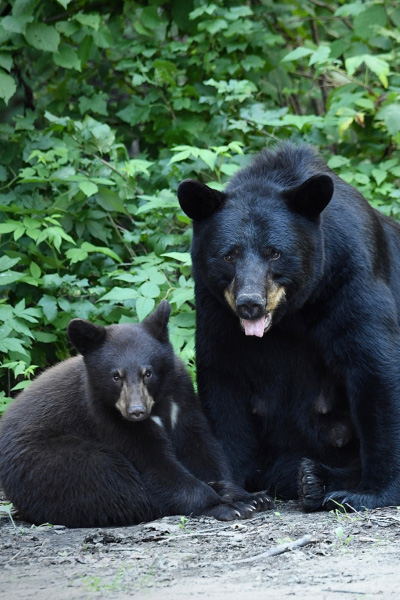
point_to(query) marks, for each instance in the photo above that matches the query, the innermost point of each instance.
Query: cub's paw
(311, 485)
(230, 492)
(262, 500)
(230, 512)
(227, 491)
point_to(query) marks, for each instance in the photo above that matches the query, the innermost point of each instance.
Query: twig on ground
(12, 558)
(307, 539)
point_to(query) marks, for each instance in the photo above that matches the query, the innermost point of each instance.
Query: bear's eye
(147, 374)
(272, 254)
(116, 376)
(229, 258)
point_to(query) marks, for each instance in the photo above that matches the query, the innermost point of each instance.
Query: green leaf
(7, 263)
(208, 157)
(144, 306)
(15, 24)
(67, 57)
(320, 56)
(229, 169)
(165, 71)
(297, 53)
(12, 345)
(379, 175)
(95, 104)
(9, 277)
(149, 290)
(183, 257)
(88, 188)
(35, 270)
(120, 294)
(89, 20)
(6, 312)
(213, 26)
(350, 9)
(110, 201)
(182, 295)
(80, 254)
(6, 61)
(49, 306)
(57, 120)
(42, 336)
(180, 156)
(239, 11)
(22, 385)
(76, 255)
(390, 115)
(353, 63)
(42, 37)
(5, 331)
(367, 22)
(378, 66)
(7, 86)
(64, 3)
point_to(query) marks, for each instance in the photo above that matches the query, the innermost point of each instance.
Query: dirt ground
(281, 554)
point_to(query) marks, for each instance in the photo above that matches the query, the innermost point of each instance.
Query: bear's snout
(137, 413)
(250, 306)
(135, 402)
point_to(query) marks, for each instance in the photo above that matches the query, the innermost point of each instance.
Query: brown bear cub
(116, 436)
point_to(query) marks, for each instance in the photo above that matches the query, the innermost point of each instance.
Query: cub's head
(258, 246)
(128, 366)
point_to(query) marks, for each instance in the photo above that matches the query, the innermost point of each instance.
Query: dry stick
(12, 558)
(347, 592)
(307, 539)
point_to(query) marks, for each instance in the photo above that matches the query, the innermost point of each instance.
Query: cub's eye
(116, 376)
(229, 258)
(148, 374)
(272, 254)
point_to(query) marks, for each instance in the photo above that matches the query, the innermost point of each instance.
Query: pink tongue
(254, 327)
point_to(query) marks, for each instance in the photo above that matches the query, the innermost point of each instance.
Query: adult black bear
(297, 284)
(116, 436)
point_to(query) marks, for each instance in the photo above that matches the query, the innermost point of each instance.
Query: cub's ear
(311, 197)
(85, 336)
(157, 323)
(198, 200)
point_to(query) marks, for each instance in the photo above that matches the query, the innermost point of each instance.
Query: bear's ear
(157, 323)
(198, 200)
(311, 197)
(85, 336)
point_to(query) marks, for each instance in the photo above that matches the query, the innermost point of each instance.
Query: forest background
(106, 106)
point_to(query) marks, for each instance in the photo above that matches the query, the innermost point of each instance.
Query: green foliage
(107, 106)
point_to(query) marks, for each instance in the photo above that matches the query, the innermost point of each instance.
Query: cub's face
(128, 366)
(253, 249)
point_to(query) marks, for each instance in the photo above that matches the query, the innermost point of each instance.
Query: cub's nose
(137, 413)
(250, 306)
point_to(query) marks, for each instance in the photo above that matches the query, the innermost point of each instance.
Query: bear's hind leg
(69, 481)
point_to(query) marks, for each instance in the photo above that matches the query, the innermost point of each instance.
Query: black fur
(293, 249)
(116, 436)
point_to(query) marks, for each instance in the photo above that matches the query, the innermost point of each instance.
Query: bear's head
(128, 366)
(258, 246)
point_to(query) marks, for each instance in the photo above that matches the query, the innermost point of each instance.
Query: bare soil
(281, 554)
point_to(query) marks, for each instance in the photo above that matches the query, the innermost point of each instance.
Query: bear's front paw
(311, 485)
(230, 492)
(231, 512)
(345, 501)
(262, 500)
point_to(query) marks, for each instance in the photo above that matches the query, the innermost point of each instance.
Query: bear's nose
(250, 306)
(137, 413)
